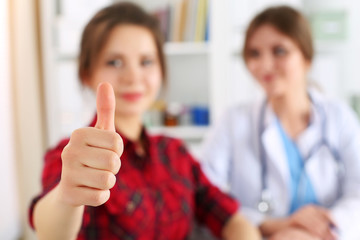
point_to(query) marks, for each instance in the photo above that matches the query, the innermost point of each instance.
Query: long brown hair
(289, 22)
(97, 32)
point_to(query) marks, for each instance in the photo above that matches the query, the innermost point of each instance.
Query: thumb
(105, 106)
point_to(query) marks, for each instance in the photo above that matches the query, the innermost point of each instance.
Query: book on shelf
(184, 21)
(200, 21)
(189, 31)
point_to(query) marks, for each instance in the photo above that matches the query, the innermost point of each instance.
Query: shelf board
(182, 132)
(328, 46)
(198, 48)
(186, 48)
(170, 48)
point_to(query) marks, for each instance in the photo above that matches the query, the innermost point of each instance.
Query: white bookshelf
(171, 49)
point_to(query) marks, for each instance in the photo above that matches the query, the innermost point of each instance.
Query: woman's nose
(266, 62)
(131, 75)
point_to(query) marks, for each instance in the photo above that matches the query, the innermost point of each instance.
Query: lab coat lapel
(274, 150)
(311, 136)
(307, 141)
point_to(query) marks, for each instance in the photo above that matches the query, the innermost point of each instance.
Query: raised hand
(92, 157)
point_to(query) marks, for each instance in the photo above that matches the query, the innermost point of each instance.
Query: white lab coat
(230, 159)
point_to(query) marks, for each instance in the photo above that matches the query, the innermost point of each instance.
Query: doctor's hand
(91, 159)
(291, 233)
(315, 220)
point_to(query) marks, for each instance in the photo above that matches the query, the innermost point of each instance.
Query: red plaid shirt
(157, 196)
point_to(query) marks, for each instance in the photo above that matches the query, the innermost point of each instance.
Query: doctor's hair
(97, 32)
(287, 21)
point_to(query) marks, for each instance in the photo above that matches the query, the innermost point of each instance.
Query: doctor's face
(129, 61)
(276, 62)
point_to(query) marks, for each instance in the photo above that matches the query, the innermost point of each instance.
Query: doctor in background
(293, 158)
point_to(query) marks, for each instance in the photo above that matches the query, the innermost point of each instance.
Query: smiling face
(129, 61)
(276, 62)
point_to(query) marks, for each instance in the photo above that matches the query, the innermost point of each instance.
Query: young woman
(293, 158)
(159, 189)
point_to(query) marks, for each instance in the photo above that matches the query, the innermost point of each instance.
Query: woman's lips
(131, 97)
(268, 78)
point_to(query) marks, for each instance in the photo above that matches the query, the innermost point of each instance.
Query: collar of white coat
(275, 152)
(316, 114)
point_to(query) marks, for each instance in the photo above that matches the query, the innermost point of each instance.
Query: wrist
(51, 212)
(64, 199)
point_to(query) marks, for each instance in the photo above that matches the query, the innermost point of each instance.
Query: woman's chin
(130, 113)
(274, 93)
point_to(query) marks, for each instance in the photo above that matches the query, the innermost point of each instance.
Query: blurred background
(41, 100)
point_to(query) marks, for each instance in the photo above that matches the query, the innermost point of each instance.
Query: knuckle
(107, 180)
(76, 134)
(67, 153)
(112, 181)
(113, 162)
(70, 155)
(97, 199)
(117, 143)
(100, 197)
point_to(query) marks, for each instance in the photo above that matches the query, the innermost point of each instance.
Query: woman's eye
(147, 62)
(115, 63)
(280, 51)
(253, 53)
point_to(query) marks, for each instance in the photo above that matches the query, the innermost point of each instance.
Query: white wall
(353, 73)
(338, 61)
(9, 208)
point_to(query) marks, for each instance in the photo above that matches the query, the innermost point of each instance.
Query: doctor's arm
(346, 211)
(215, 154)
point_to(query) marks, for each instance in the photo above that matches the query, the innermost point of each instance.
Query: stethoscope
(265, 204)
